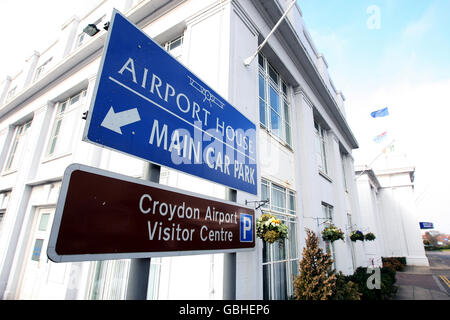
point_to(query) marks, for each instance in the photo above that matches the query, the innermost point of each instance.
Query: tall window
(321, 148)
(109, 280)
(64, 125)
(175, 47)
(17, 147)
(2, 214)
(11, 93)
(352, 247)
(280, 260)
(274, 113)
(81, 37)
(327, 211)
(4, 199)
(343, 171)
(41, 68)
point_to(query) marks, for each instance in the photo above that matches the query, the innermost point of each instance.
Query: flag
(389, 149)
(380, 113)
(380, 137)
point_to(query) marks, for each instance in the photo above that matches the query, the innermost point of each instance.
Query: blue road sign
(246, 228)
(149, 105)
(426, 225)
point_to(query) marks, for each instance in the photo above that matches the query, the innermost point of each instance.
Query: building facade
(388, 210)
(305, 163)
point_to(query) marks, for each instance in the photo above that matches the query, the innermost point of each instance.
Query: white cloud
(32, 25)
(421, 27)
(419, 114)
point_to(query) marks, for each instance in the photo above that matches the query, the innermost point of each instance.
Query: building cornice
(365, 170)
(286, 30)
(299, 91)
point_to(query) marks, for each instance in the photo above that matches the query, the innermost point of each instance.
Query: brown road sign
(101, 215)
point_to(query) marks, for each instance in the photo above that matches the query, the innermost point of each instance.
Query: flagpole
(368, 167)
(249, 60)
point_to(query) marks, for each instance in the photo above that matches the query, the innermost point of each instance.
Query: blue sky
(412, 31)
(405, 65)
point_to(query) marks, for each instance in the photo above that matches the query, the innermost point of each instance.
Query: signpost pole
(229, 262)
(140, 268)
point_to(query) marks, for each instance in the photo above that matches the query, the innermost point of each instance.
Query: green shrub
(396, 263)
(345, 289)
(387, 288)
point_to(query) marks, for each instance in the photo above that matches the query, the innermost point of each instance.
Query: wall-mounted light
(91, 30)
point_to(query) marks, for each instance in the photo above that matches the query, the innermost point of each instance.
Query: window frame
(344, 173)
(4, 201)
(20, 132)
(108, 279)
(178, 54)
(39, 70)
(320, 134)
(267, 72)
(80, 39)
(273, 257)
(328, 211)
(70, 106)
(11, 93)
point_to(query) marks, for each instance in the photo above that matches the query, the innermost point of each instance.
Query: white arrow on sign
(114, 121)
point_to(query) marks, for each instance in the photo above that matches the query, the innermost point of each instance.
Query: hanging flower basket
(270, 229)
(356, 235)
(332, 233)
(369, 236)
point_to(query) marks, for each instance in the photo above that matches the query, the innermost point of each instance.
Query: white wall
(390, 213)
(369, 221)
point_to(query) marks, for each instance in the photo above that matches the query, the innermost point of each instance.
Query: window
(343, 172)
(327, 211)
(2, 214)
(352, 247)
(80, 39)
(109, 280)
(11, 93)
(274, 113)
(83, 36)
(64, 125)
(17, 147)
(36, 254)
(4, 199)
(154, 279)
(280, 260)
(321, 148)
(175, 47)
(40, 69)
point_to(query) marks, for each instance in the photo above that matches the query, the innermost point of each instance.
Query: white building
(388, 210)
(304, 145)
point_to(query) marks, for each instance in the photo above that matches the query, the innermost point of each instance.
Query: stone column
(68, 37)
(306, 165)
(19, 198)
(343, 249)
